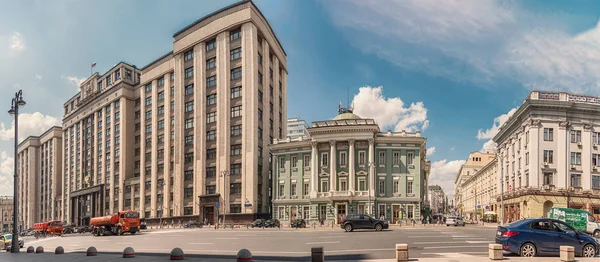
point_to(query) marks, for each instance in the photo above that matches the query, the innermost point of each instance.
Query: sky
(454, 70)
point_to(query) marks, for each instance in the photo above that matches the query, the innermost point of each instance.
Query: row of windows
(343, 159)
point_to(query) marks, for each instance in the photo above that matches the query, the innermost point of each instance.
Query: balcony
(323, 194)
(341, 193)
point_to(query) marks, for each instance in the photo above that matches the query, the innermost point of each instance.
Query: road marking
(425, 243)
(452, 247)
(123, 243)
(478, 242)
(229, 238)
(315, 243)
(470, 237)
(200, 243)
(331, 237)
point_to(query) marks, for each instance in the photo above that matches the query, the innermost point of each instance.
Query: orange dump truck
(116, 224)
(53, 227)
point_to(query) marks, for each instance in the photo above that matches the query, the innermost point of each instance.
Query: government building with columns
(347, 166)
(549, 155)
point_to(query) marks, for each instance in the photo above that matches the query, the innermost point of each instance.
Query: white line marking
(315, 243)
(200, 243)
(425, 243)
(228, 238)
(470, 237)
(453, 247)
(478, 242)
(123, 243)
(331, 237)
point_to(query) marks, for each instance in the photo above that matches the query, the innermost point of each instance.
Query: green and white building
(346, 165)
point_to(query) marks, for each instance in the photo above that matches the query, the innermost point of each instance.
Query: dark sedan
(362, 221)
(543, 236)
(272, 223)
(298, 223)
(258, 223)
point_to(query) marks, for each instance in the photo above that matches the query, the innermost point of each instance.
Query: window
(575, 136)
(548, 179)
(362, 159)
(576, 180)
(172, 91)
(148, 128)
(211, 135)
(117, 104)
(362, 184)
(293, 193)
(148, 115)
(236, 73)
(595, 160)
(188, 157)
(211, 171)
(189, 72)
(396, 186)
(108, 80)
(211, 99)
(343, 185)
(595, 182)
(381, 186)
(161, 110)
(148, 100)
(381, 158)
(161, 124)
(271, 73)
(260, 114)
(236, 111)
(596, 138)
(188, 175)
(306, 188)
(410, 211)
(189, 140)
(189, 89)
(160, 81)
(211, 190)
(128, 74)
(282, 162)
(236, 92)
(281, 190)
(161, 96)
(294, 161)
(409, 158)
(188, 192)
(575, 158)
(236, 34)
(236, 169)
(189, 123)
(211, 63)
(189, 55)
(260, 78)
(324, 159)
(396, 158)
(548, 156)
(236, 150)
(343, 158)
(211, 117)
(548, 134)
(259, 59)
(260, 96)
(211, 81)
(236, 130)
(527, 158)
(236, 53)
(324, 185)
(189, 106)
(306, 160)
(211, 44)
(148, 88)
(409, 187)
(236, 188)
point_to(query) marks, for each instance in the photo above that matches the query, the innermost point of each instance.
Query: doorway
(322, 213)
(293, 213)
(209, 214)
(395, 214)
(341, 212)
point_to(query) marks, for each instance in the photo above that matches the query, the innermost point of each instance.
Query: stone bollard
(401, 252)
(317, 254)
(244, 255)
(30, 249)
(91, 251)
(39, 250)
(495, 252)
(176, 254)
(128, 252)
(567, 253)
(59, 250)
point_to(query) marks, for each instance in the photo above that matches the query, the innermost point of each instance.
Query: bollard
(30, 249)
(495, 252)
(244, 255)
(317, 254)
(39, 250)
(401, 252)
(128, 252)
(59, 250)
(567, 253)
(176, 254)
(91, 251)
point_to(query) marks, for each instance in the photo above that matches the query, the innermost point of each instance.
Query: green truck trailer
(581, 220)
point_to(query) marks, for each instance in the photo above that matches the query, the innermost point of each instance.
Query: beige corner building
(40, 189)
(474, 163)
(480, 192)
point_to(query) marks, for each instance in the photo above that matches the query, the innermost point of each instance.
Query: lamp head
(21, 102)
(12, 111)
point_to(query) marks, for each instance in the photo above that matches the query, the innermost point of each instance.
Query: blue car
(543, 237)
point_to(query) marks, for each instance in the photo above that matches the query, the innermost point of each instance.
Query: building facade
(480, 192)
(346, 165)
(296, 128)
(548, 155)
(475, 162)
(6, 213)
(39, 160)
(437, 199)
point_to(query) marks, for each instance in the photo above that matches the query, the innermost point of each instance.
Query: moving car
(362, 221)
(544, 236)
(258, 223)
(7, 239)
(299, 223)
(143, 225)
(192, 224)
(272, 223)
(455, 221)
(581, 220)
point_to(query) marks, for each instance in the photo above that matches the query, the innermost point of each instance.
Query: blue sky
(455, 70)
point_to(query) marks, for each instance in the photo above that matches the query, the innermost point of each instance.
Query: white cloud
(443, 173)
(74, 80)
(430, 151)
(389, 112)
(491, 132)
(29, 124)
(480, 41)
(16, 42)
(38, 77)
(6, 174)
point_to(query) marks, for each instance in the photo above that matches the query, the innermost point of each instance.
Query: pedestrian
(173, 223)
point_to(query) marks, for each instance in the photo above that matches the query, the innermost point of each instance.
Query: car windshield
(563, 228)
(132, 215)
(8, 237)
(451, 217)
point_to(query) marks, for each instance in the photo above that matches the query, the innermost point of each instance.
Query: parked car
(143, 225)
(362, 221)
(544, 236)
(272, 223)
(298, 223)
(192, 224)
(455, 221)
(68, 229)
(7, 240)
(258, 223)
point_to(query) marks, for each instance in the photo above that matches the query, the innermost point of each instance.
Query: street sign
(218, 205)
(478, 206)
(510, 187)
(248, 205)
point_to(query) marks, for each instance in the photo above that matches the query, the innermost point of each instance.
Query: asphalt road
(287, 244)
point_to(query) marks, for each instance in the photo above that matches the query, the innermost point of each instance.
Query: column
(314, 168)
(535, 157)
(351, 164)
(562, 156)
(372, 167)
(586, 160)
(332, 167)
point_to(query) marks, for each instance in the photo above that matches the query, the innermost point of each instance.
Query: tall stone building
(39, 161)
(437, 199)
(475, 162)
(6, 213)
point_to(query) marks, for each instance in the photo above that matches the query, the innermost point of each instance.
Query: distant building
(480, 191)
(437, 199)
(296, 128)
(6, 213)
(475, 162)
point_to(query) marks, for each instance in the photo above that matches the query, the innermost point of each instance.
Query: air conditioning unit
(594, 167)
(595, 145)
(572, 166)
(546, 187)
(578, 143)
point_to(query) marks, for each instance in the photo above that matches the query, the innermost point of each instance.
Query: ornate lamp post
(17, 102)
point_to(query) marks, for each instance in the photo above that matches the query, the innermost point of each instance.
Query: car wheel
(589, 251)
(378, 227)
(597, 233)
(528, 250)
(348, 228)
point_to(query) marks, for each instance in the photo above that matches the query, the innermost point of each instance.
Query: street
(289, 244)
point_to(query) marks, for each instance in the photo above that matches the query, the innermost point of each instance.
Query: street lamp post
(17, 102)
(371, 208)
(224, 175)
